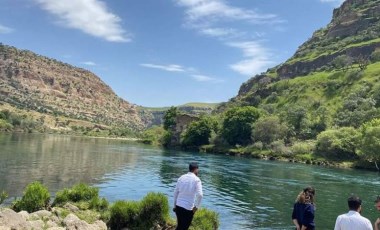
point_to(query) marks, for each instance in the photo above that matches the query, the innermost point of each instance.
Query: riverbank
(80, 207)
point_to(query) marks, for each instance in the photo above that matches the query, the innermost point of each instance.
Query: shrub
(124, 214)
(340, 144)
(3, 196)
(205, 220)
(79, 192)
(100, 204)
(166, 138)
(299, 148)
(278, 147)
(268, 129)
(154, 209)
(36, 197)
(237, 124)
(198, 132)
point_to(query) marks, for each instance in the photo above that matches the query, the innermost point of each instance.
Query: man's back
(352, 221)
(188, 187)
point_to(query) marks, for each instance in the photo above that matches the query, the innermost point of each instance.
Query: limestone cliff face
(353, 31)
(31, 81)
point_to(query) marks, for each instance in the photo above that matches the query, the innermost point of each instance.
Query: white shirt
(352, 221)
(188, 191)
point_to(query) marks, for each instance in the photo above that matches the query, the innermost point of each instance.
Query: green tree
(237, 124)
(338, 144)
(199, 132)
(268, 129)
(170, 118)
(370, 147)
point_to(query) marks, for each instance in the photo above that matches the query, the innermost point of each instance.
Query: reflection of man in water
(377, 205)
(187, 197)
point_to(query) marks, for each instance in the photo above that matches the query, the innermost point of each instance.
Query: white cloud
(90, 16)
(89, 63)
(204, 78)
(169, 68)
(5, 29)
(257, 58)
(211, 10)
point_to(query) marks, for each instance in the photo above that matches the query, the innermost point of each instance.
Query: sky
(166, 52)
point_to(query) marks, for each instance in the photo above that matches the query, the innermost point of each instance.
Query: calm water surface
(248, 194)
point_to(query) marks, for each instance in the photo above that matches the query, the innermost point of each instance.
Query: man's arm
(199, 194)
(176, 192)
(337, 224)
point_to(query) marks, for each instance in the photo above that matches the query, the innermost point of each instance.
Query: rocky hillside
(32, 82)
(348, 43)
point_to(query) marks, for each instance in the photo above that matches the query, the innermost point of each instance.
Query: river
(247, 193)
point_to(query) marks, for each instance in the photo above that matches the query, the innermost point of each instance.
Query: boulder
(24, 214)
(10, 219)
(42, 213)
(51, 224)
(71, 207)
(56, 228)
(37, 224)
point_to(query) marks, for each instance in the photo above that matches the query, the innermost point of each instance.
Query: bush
(3, 197)
(198, 132)
(166, 139)
(153, 135)
(205, 220)
(268, 129)
(154, 210)
(278, 147)
(124, 214)
(36, 197)
(340, 144)
(79, 192)
(237, 124)
(300, 148)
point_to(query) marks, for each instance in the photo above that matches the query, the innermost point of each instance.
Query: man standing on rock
(188, 195)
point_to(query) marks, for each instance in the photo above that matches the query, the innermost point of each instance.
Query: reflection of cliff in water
(58, 161)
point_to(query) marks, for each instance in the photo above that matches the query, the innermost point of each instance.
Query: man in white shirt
(353, 220)
(377, 206)
(188, 195)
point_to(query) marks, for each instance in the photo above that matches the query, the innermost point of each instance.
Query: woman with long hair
(304, 208)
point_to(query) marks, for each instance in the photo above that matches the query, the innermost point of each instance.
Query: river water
(247, 193)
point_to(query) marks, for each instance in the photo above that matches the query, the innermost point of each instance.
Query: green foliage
(153, 135)
(268, 129)
(371, 143)
(4, 125)
(36, 197)
(199, 132)
(342, 62)
(166, 138)
(3, 197)
(375, 56)
(339, 144)
(237, 124)
(79, 192)
(170, 118)
(357, 109)
(154, 209)
(205, 220)
(299, 148)
(124, 214)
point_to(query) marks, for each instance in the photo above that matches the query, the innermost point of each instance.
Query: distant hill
(153, 115)
(29, 81)
(339, 61)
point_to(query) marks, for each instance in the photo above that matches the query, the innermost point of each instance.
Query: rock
(10, 219)
(42, 213)
(24, 214)
(37, 224)
(5, 228)
(51, 224)
(70, 219)
(71, 207)
(56, 228)
(100, 225)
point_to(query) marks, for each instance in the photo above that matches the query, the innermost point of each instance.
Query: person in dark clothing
(303, 210)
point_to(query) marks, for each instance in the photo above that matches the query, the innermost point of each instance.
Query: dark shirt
(304, 213)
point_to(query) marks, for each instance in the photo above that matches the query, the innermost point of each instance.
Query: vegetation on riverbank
(83, 201)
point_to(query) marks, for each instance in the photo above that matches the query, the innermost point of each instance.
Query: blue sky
(165, 52)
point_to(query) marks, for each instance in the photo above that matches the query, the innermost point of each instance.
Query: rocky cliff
(33, 82)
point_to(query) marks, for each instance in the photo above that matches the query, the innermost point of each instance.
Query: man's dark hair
(377, 199)
(193, 166)
(354, 203)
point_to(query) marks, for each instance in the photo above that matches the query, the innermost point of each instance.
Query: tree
(342, 62)
(237, 124)
(370, 146)
(268, 129)
(198, 132)
(338, 144)
(170, 118)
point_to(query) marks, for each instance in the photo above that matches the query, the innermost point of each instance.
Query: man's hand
(195, 209)
(174, 209)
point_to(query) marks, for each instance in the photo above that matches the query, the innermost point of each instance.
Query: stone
(51, 224)
(56, 228)
(24, 214)
(42, 213)
(100, 225)
(71, 207)
(37, 224)
(11, 219)
(70, 219)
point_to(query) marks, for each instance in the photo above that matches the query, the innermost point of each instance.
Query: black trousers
(184, 218)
